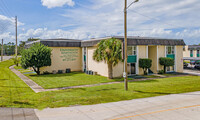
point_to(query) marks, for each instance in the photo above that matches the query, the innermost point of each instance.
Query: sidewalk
(170, 107)
(17, 114)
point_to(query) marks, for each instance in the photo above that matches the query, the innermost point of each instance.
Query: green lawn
(66, 80)
(15, 93)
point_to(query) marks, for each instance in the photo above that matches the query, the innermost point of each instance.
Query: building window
(132, 50)
(191, 51)
(198, 52)
(170, 50)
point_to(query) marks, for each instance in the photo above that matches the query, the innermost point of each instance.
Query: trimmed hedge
(166, 62)
(145, 64)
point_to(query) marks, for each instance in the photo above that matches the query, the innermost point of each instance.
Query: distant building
(191, 52)
(78, 55)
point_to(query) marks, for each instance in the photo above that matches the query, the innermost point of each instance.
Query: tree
(36, 56)
(145, 64)
(109, 51)
(16, 60)
(32, 39)
(21, 46)
(166, 62)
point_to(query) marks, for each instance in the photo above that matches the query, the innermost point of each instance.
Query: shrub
(36, 56)
(16, 60)
(145, 64)
(166, 62)
(46, 73)
(161, 72)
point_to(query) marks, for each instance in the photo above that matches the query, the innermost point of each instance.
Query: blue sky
(85, 19)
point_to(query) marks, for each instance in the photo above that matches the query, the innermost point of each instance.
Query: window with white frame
(132, 50)
(198, 52)
(191, 52)
(170, 50)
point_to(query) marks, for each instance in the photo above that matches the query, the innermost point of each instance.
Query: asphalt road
(6, 58)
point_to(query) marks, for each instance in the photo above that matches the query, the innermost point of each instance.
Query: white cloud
(57, 3)
(7, 23)
(171, 19)
(155, 18)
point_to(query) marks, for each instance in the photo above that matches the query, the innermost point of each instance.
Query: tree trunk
(110, 71)
(38, 71)
(145, 71)
(164, 69)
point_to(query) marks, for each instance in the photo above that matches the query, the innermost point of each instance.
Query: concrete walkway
(170, 107)
(34, 86)
(37, 88)
(17, 114)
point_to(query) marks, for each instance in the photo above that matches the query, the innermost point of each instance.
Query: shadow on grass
(22, 103)
(3, 79)
(161, 93)
(146, 81)
(12, 87)
(56, 75)
(106, 89)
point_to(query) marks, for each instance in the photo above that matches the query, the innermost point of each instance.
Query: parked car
(185, 64)
(197, 62)
(192, 62)
(197, 66)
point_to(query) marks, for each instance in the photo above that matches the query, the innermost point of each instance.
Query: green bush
(37, 56)
(166, 62)
(145, 64)
(161, 72)
(16, 60)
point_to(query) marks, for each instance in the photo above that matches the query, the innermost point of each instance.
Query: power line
(6, 7)
(151, 18)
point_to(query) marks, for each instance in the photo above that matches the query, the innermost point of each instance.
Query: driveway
(192, 71)
(170, 107)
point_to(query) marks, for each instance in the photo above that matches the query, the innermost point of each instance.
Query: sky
(86, 19)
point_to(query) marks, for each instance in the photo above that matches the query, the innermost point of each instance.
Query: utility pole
(125, 47)
(125, 74)
(16, 36)
(2, 50)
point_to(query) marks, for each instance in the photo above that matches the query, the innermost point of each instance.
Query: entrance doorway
(132, 69)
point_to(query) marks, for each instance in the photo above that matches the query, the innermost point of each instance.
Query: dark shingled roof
(193, 47)
(137, 41)
(89, 43)
(57, 43)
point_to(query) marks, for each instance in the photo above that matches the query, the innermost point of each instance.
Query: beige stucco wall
(153, 55)
(186, 52)
(62, 59)
(179, 58)
(142, 53)
(161, 53)
(118, 70)
(194, 53)
(100, 67)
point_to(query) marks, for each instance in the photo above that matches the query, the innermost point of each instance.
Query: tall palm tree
(109, 51)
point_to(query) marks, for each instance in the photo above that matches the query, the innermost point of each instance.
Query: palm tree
(109, 51)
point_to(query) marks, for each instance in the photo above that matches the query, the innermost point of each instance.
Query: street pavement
(170, 107)
(6, 58)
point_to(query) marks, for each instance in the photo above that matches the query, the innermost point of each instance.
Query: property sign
(69, 54)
